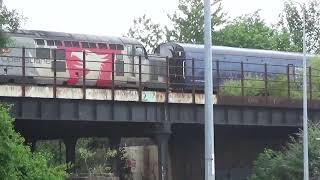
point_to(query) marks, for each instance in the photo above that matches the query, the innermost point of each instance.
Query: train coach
(36, 55)
(97, 60)
(186, 63)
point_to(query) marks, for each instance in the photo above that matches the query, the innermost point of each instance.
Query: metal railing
(113, 70)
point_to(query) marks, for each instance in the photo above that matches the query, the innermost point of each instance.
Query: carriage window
(43, 53)
(85, 45)
(58, 43)
(50, 42)
(75, 44)
(60, 54)
(67, 44)
(92, 45)
(113, 46)
(120, 47)
(39, 41)
(102, 46)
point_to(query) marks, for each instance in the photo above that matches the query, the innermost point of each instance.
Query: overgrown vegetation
(16, 159)
(94, 156)
(288, 163)
(277, 86)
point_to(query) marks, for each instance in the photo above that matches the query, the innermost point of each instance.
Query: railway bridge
(245, 123)
(244, 126)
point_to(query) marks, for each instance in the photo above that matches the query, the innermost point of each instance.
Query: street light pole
(209, 129)
(305, 102)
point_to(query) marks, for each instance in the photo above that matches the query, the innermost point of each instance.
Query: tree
(188, 21)
(292, 21)
(288, 163)
(250, 31)
(149, 33)
(187, 25)
(16, 159)
(10, 20)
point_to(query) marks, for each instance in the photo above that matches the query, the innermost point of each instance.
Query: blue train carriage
(226, 63)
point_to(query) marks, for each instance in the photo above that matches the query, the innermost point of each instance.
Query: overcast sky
(114, 17)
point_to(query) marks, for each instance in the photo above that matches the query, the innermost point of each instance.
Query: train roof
(223, 50)
(71, 36)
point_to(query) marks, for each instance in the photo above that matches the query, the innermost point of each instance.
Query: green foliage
(186, 25)
(16, 159)
(94, 157)
(188, 21)
(55, 147)
(288, 163)
(10, 20)
(149, 33)
(253, 86)
(292, 21)
(250, 31)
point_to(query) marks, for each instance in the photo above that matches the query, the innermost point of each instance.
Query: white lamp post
(209, 118)
(305, 100)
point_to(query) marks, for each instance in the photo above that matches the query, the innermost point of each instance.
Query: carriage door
(177, 69)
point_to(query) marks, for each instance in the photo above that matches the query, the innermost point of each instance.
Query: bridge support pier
(161, 137)
(70, 144)
(114, 143)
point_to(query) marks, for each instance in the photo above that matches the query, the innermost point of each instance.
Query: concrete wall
(144, 162)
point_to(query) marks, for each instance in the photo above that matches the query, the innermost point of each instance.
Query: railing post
(23, 71)
(193, 83)
(288, 78)
(265, 79)
(310, 82)
(54, 73)
(242, 80)
(218, 77)
(167, 79)
(112, 77)
(84, 74)
(140, 79)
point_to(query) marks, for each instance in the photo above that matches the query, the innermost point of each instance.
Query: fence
(112, 69)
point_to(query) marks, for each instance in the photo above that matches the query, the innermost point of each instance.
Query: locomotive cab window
(43, 53)
(39, 42)
(129, 50)
(140, 51)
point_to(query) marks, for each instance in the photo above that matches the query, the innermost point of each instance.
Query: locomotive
(38, 56)
(103, 60)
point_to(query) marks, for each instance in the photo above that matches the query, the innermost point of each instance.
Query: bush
(253, 86)
(288, 163)
(16, 159)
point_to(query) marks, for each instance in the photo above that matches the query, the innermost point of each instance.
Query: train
(36, 56)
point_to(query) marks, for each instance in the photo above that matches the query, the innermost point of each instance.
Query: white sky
(114, 17)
